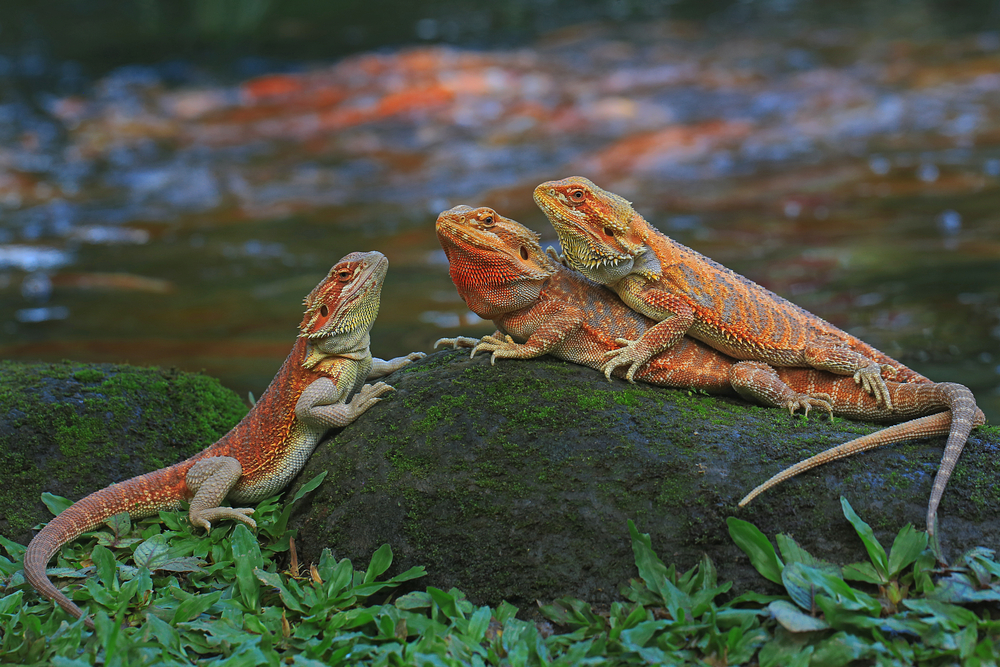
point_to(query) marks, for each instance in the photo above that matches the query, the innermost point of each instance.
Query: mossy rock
(72, 428)
(516, 481)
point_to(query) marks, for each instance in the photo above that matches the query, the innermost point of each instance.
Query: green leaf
(446, 601)
(755, 545)
(794, 619)
(950, 617)
(106, 565)
(381, 560)
(10, 604)
(798, 585)
(291, 600)
(194, 606)
(478, 624)
(280, 525)
(651, 569)
(120, 524)
(906, 548)
(862, 572)
(804, 583)
(875, 551)
(505, 612)
(413, 600)
(156, 554)
(247, 558)
(843, 648)
(309, 486)
(56, 504)
(15, 550)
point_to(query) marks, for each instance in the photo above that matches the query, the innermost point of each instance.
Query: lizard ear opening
(610, 233)
(524, 253)
(324, 311)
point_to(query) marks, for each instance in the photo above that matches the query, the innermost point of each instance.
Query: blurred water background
(176, 176)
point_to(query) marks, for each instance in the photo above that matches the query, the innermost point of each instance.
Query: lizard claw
(455, 343)
(551, 252)
(500, 347)
(632, 353)
(870, 379)
(806, 402)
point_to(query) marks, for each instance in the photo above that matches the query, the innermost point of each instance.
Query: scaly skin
(321, 385)
(686, 293)
(541, 307)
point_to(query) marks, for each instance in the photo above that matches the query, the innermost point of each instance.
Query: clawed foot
(368, 396)
(204, 518)
(633, 353)
(806, 402)
(400, 362)
(503, 348)
(551, 252)
(455, 343)
(870, 379)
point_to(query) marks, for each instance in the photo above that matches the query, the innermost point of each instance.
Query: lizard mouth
(357, 305)
(585, 253)
(461, 240)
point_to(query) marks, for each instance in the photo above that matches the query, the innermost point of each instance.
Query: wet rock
(72, 428)
(516, 481)
(510, 482)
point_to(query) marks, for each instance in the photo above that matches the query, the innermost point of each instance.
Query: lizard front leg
(676, 316)
(322, 403)
(830, 355)
(211, 479)
(381, 367)
(549, 322)
(756, 381)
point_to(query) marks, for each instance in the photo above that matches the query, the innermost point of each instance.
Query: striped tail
(963, 415)
(966, 415)
(924, 427)
(140, 496)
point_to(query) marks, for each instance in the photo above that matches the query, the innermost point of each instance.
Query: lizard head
(594, 227)
(348, 298)
(485, 248)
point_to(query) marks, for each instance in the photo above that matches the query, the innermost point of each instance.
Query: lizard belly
(273, 474)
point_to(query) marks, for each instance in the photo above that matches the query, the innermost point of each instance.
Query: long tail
(139, 496)
(966, 415)
(963, 415)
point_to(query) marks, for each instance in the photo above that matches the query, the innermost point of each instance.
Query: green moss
(73, 428)
(89, 375)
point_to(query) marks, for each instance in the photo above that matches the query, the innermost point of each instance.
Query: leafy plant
(223, 599)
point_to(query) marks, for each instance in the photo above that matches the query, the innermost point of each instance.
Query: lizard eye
(609, 232)
(324, 311)
(577, 195)
(488, 221)
(344, 275)
(524, 253)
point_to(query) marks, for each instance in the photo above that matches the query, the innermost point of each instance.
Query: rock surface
(72, 428)
(510, 482)
(516, 482)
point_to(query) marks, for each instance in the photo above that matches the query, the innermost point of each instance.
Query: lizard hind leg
(759, 382)
(827, 354)
(211, 479)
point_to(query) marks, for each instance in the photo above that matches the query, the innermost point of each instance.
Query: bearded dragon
(604, 238)
(320, 386)
(541, 307)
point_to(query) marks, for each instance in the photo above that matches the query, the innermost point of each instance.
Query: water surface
(854, 172)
